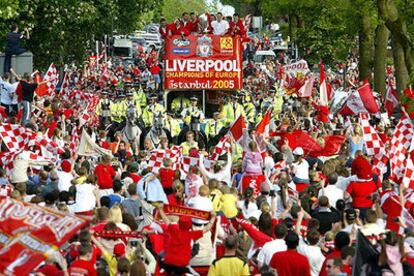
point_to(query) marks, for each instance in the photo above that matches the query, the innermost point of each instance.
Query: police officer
(118, 109)
(118, 114)
(152, 108)
(189, 143)
(179, 104)
(213, 128)
(131, 103)
(249, 108)
(274, 101)
(139, 95)
(173, 126)
(193, 115)
(103, 109)
(231, 111)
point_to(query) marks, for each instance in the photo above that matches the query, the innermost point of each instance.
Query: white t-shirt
(314, 255)
(333, 193)
(64, 180)
(85, 199)
(301, 170)
(192, 184)
(200, 203)
(220, 28)
(6, 91)
(270, 248)
(343, 182)
(250, 211)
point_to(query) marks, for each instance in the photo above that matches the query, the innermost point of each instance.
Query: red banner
(200, 62)
(29, 234)
(175, 210)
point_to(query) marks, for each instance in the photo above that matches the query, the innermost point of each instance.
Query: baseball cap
(298, 151)
(350, 214)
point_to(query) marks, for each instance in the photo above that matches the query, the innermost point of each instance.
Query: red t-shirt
(361, 192)
(99, 226)
(155, 70)
(178, 250)
(49, 270)
(104, 144)
(74, 252)
(104, 174)
(82, 267)
(172, 200)
(290, 263)
(335, 254)
(166, 177)
(135, 177)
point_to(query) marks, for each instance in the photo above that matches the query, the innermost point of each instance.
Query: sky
(225, 9)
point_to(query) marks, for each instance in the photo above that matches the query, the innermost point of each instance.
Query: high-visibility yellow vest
(230, 113)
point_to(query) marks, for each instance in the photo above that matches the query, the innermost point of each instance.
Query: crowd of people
(190, 23)
(272, 209)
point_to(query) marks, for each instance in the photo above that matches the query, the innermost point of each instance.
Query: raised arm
(210, 224)
(15, 75)
(164, 217)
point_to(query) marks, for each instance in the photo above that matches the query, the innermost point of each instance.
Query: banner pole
(204, 101)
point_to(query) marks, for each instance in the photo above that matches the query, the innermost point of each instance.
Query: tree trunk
(365, 47)
(381, 39)
(401, 71)
(401, 40)
(293, 27)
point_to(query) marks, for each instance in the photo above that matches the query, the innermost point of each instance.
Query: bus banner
(199, 62)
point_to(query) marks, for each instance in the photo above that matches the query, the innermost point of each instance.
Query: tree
(173, 9)
(62, 30)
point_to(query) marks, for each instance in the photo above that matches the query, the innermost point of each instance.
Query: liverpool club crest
(204, 46)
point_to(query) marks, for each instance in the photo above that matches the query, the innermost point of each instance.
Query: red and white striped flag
(53, 78)
(222, 147)
(74, 140)
(400, 144)
(65, 89)
(157, 157)
(16, 137)
(188, 161)
(7, 158)
(373, 144)
(408, 179)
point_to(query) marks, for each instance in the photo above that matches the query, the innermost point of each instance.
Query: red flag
(361, 101)
(324, 87)
(259, 238)
(31, 234)
(391, 100)
(51, 129)
(41, 90)
(17, 86)
(306, 89)
(263, 126)
(238, 128)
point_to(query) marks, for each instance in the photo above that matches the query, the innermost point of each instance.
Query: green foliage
(244, 7)
(173, 9)
(62, 30)
(321, 29)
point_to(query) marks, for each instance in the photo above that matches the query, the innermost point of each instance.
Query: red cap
(66, 166)
(119, 249)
